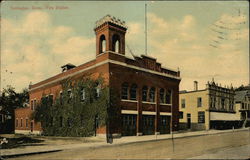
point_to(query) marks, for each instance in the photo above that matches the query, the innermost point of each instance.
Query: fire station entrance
(148, 125)
(165, 124)
(128, 125)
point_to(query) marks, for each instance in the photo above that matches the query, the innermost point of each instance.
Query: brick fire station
(148, 92)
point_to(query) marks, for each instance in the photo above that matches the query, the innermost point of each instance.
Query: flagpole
(145, 28)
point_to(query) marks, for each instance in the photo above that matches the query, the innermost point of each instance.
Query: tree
(9, 101)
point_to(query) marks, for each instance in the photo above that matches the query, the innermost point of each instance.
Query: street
(188, 147)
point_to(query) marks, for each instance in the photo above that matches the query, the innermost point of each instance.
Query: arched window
(168, 97)
(161, 95)
(152, 94)
(116, 43)
(97, 90)
(102, 44)
(124, 94)
(117, 46)
(83, 94)
(144, 93)
(133, 92)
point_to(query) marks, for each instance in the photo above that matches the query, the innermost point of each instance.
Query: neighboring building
(147, 91)
(210, 108)
(242, 104)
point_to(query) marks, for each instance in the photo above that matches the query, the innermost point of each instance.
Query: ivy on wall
(74, 113)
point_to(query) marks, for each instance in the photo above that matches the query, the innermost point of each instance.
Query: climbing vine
(78, 109)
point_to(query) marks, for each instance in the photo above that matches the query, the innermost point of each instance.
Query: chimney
(67, 67)
(195, 85)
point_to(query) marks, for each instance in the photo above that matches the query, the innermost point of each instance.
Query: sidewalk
(27, 150)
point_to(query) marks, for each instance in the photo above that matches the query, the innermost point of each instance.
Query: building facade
(210, 108)
(242, 105)
(148, 93)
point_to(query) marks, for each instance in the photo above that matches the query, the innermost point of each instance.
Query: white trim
(148, 113)
(165, 104)
(143, 69)
(165, 113)
(116, 53)
(104, 62)
(72, 74)
(148, 102)
(110, 52)
(101, 54)
(143, 55)
(127, 100)
(129, 112)
(169, 69)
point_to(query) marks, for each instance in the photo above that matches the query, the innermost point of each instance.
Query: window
(117, 46)
(32, 105)
(201, 117)
(98, 91)
(1, 118)
(181, 115)
(61, 97)
(116, 43)
(83, 95)
(27, 122)
(161, 95)
(50, 100)
(16, 122)
(183, 105)
(69, 122)
(242, 105)
(152, 94)
(21, 125)
(144, 93)
(211, 102)
(102, 44)
(168, 97)
(129, 120)
(164, 120)
(70, 95)
(133, 92)
(35, 104)
(214, 102)
(124, 94)
(231, 105)
(222, 103)
(199, 102)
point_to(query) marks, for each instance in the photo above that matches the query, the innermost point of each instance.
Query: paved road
(241, 152)
(183, 148)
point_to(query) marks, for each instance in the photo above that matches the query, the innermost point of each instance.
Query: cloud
(184, 43)
(33, 48)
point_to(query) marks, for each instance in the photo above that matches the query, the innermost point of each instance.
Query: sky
(204, 39)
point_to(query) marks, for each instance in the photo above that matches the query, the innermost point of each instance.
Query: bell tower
(110, 35)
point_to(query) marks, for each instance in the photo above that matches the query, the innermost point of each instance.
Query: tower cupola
(110, 35)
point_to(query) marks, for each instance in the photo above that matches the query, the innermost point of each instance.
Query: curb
(28, 153)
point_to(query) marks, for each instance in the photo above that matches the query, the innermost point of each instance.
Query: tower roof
(112, 20)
